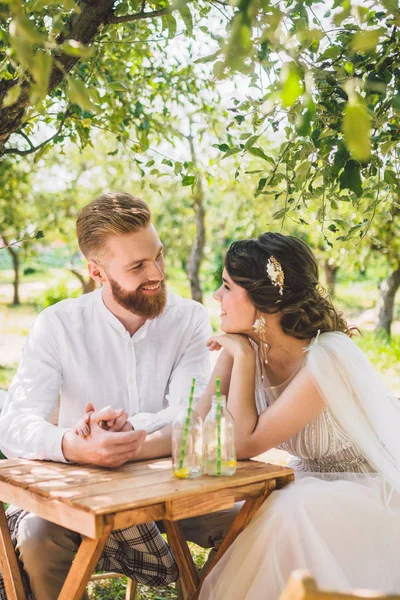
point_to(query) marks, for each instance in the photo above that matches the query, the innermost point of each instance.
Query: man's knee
(41, 542)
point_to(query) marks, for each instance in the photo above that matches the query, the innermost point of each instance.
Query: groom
(125, 349)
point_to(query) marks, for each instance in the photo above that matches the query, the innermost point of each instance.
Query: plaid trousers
(139, 552)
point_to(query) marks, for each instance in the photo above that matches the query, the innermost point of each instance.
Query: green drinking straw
(218, 396)
(187, 423)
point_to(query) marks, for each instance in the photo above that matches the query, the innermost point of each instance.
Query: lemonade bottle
(187, 441)
(219, 439)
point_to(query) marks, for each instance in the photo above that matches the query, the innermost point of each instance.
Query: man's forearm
(156, 445)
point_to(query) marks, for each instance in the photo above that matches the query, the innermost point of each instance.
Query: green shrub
(54, 294)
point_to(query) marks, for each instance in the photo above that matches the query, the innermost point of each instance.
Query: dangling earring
(259, 326)
(259, 330)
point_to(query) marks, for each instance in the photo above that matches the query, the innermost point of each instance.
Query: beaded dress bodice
(323, 445)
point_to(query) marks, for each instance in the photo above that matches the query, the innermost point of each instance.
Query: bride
(295, 380)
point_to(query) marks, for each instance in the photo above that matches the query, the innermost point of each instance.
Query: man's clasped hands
(104, 437)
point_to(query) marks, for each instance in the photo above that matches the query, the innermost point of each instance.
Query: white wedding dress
(340, 519)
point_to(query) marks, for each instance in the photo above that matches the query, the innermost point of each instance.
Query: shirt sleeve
(24, 428)
(193, 362)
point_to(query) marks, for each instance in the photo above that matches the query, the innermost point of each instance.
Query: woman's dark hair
(304, 305)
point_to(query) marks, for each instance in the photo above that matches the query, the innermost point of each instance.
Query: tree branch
(21, 133)
(35, 235)
(141, 15)
(32, 147)
(226, 4)
(7, 245)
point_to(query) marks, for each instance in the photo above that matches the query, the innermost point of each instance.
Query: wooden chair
(131, 588)
(301, 586)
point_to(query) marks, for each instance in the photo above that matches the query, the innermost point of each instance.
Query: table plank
(181, 552)
(132, 497)
(80, 519)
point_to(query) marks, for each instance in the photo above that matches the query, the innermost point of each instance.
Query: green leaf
(74, 48)
(261, 184)
(178, 166)
(350, 178)
(187, 18)
(331, 52)
(41, 69)
(292, 85)
(349, 67)
(302, 171)
(71, 5)
(391, 178)
(78, 94)
(304, 128)
(261, 154)
(208, 58)
(342, 223)
(231, 151)
(396, 103)
(392, 6)
(356, 129)
(12, 96)
(279, 214)
(170, 24)
(365, 41)
(251, 141)
(118, 86)
(41, 152)
(23, 27)
(188, 180)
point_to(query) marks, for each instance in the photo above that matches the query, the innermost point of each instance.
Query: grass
(114, 589)
(382, 352)
(355, 297)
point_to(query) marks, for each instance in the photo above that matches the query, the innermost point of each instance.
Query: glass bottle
(219, 440)
(187, 442)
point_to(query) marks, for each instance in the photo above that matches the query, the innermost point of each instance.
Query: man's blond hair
(113, 213)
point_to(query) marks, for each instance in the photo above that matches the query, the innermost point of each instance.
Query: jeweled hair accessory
(275, 273)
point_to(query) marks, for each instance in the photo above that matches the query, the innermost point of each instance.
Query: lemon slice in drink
(229, 463)
(182, 473)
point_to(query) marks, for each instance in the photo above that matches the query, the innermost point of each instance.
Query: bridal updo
(296, 293)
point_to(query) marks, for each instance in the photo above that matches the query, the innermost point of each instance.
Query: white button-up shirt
(79, 350)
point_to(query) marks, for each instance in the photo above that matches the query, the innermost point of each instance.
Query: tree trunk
(330, 269)
(88, 285)
(388, 289)
(197, 250)
(16, 265)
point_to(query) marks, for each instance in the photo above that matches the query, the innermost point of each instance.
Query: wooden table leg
(8, 561)
(84, 563)
(243, 518)
(184, 560)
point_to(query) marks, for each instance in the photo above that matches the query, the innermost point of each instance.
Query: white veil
(366, 409)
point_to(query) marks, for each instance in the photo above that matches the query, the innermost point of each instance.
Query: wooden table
(94, 501)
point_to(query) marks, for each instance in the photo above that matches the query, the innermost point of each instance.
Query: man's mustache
(148, 284)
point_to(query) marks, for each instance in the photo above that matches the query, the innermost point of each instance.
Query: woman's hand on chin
(236, 344)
